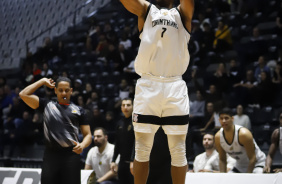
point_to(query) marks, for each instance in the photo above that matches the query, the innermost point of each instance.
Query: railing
(72, 13)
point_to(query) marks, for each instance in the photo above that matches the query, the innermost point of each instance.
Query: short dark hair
(127, 98)
(226, 111)
(105, 132)
(60, 79)
(208, 132)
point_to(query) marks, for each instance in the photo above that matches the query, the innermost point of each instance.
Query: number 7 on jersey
(164, 30)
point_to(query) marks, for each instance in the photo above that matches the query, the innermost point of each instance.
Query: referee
(62, 120)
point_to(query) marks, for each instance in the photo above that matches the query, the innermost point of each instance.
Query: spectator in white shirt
(242, 119)
(208, 161)
(99, 158)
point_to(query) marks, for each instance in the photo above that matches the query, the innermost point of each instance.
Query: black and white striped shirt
(61, 123)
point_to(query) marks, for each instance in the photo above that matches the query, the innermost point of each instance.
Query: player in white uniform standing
(161, 97)
(276, 142)
(239, 143)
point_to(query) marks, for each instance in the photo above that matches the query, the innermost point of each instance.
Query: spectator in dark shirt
(124, 143)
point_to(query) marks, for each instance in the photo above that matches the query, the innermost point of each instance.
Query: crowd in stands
(234, 63)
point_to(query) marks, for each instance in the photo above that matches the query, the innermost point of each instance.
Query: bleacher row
(23, 20)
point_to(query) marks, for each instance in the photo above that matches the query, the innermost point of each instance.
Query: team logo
(129, 127)
(135, 117)
(231, 148)
(74, 111)
(165, 13)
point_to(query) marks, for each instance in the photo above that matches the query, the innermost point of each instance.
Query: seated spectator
(99, 158)
(251, 49)
(211, 95)
(223, 38)
(261, 67)
(234, 73)
(15, 126)
(129, 71)
(207, 40)
(208, 161)
(46, 71)
(275, 144)
(264, 92)
(220, 78)
(277, 74)
(97, 118)
(125, 41)
(93, 101)
(110, 126)
(80, 101)
(6, 97)
(37, 128)
(87, 91)
(209, 122)
(36, 71)
(243, 91)
(124, 92)
(242, 119)
(196, 32)
(197, 110)
(77, 90)
(124, 57)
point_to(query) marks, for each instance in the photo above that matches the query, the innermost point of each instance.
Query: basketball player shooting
(161, 97)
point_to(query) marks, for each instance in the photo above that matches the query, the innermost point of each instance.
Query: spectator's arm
(87, 167)
(109, 175)
(208, 123)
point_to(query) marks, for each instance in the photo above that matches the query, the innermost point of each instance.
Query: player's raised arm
(137, 7)
(186, 8)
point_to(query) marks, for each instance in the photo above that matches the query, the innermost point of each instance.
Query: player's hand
(114, 167)
(50, 83)
(266, 169)
(277, 170)
(78, 147)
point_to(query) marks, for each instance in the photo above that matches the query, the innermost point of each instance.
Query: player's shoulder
(245, 135)
(276, 132)
(244, 131)
(217, 134)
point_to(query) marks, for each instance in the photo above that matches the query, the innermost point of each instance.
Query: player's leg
(143, 147)
(177, 150)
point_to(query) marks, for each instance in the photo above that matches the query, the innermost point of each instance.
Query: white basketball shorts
(162, 102)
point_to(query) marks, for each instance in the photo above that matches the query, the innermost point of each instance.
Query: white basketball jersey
(163, 49)
(238, 152)
(280, 139)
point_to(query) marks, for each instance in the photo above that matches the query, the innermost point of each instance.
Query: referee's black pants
(60, 167)
(124, 174)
